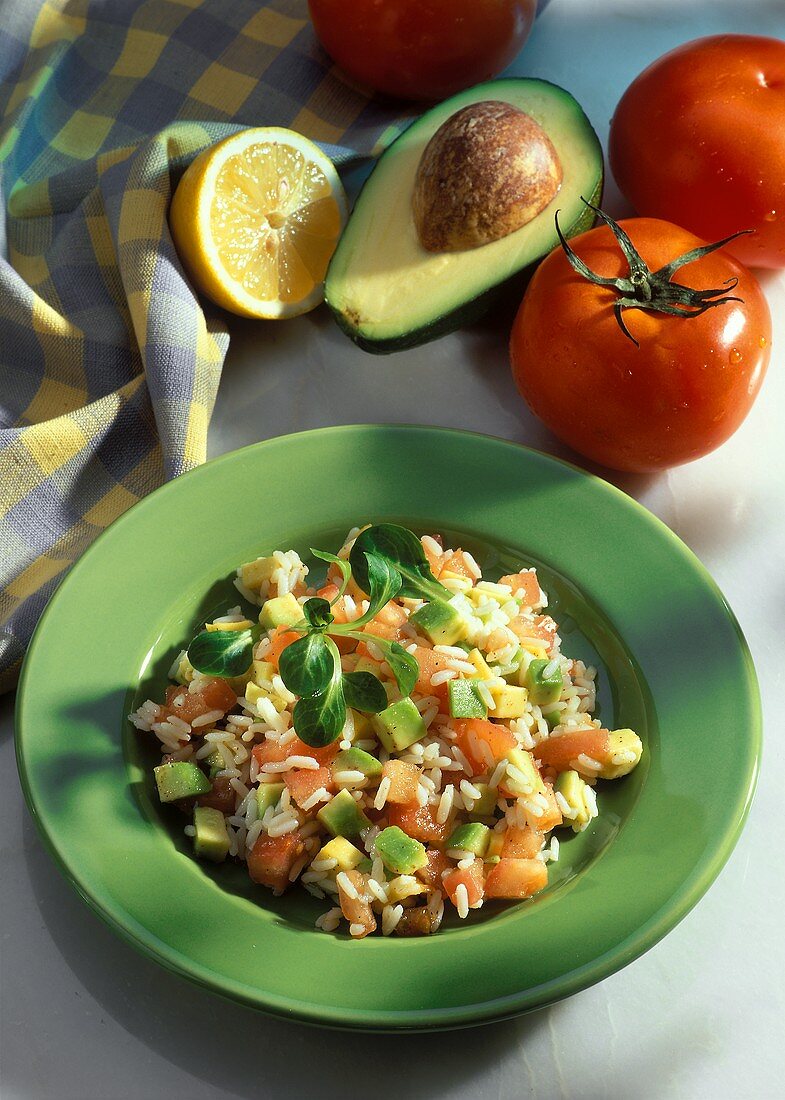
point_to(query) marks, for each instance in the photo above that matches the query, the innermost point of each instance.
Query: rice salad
(402, 737)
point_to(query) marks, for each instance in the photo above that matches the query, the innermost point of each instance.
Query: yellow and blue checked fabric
(109, 365)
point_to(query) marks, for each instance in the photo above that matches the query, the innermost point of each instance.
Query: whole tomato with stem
(699, 139)
(640, 346)
(422, 49)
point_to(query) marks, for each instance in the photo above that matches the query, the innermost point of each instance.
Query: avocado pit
(486, 172)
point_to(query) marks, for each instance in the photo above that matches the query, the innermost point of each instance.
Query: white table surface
(700, 1015)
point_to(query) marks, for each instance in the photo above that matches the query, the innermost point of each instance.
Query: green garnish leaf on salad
(340, 563)
(320, 717)
(403, 665)
(307, 665)
(363, 691)
(310, 667)
(382, 583)
(402, 550)
(317, 613)
(225, 653)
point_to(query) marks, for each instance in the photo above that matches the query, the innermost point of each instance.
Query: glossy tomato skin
(679, 395)
(422, 49)
(699, 139)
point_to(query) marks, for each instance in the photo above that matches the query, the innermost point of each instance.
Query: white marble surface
(701, 1015)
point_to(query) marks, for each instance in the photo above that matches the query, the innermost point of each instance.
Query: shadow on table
(264, 1056)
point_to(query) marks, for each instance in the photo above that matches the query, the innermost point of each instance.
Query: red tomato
(677, 396)
(699, 139)
(422, 49)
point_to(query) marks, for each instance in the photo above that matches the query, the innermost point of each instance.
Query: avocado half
(387, 292)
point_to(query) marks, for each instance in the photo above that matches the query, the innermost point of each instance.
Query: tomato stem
(652, 290)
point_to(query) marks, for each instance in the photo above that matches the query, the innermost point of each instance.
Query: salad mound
(405, 735)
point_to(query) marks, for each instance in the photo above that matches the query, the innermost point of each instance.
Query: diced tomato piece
(497, 639)
(471, 877)
(526, 581)
(272, 857)
(382, 630)
(221, 796)
(456, 563)
(516, 878)
(279, 640)
(304, 782)
(214, 694)
(431, 873)
(419, 822)
(546, 627)
(269, 752)
(392, 614)
(521, 843)
(404, 780)
(559, 752)
(431, 663)
(329, 592)
(549, 818)
(473, 733)
(357, 910)
(217, 695)
(273, 752)
(388, 622)
(542, 629)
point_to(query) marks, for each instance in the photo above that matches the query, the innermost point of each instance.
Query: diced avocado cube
(214, 762)
(357, 760)
(624, 753)
(180, 779)
(441, 622)
(342, 816)
(472, 836)
(253, 574)
(494, 850)
(399, 726)
(531, 783)
(240, 624)
(485, 805)
(484, 671)
(342, 850)
(465, 700)
(362, 724)
(263, 673)
(280, 611)
(544, 689)
(398, 852)
(267, 795)
(572, 788)
(509, 701)
(367, 664)
(553, 718)
(254, 692)
(211, 839)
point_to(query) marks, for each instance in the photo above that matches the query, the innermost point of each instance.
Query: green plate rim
(624, 952)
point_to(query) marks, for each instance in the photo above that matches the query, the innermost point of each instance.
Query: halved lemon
(256, 219)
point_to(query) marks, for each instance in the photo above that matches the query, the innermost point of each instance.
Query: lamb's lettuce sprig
(311, 666)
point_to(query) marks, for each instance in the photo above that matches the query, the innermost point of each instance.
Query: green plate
(630, 598)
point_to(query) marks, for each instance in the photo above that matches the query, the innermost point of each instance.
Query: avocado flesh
(387, 292)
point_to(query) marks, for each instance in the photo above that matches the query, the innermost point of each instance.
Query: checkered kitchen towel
(109, 365)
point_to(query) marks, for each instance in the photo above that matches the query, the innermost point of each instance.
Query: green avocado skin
(472, 309)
